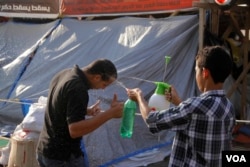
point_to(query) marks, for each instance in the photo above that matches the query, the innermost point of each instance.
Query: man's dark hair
(217, 60)
(103, 67)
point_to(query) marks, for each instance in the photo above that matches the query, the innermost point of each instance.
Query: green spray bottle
(158, 101)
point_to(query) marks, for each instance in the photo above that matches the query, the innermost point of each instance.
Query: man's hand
(94, 109)
(116, 107)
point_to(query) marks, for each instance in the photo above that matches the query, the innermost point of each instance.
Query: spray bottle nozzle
(167, 59)
(161, 87)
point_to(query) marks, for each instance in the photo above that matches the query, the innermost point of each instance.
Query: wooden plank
(236, 26)
(202, 25)
(237, 82)
(245, 65)
(227, 32)
(215, 21)
(205, 5)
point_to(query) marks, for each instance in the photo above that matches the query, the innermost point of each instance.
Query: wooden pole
(202, 24)
(237, 82)
(245, 64)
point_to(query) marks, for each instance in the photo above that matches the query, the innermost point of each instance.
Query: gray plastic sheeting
(137, 46)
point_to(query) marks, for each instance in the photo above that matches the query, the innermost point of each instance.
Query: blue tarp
(137, 46)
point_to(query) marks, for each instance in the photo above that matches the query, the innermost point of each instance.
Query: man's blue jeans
(73, 162)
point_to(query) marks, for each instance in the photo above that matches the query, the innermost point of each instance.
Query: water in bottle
(127, 124)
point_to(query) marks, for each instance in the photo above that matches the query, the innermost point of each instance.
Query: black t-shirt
(67, 103)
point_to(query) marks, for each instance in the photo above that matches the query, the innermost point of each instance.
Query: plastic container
(23, 153)
(158, 101)
(127, 124)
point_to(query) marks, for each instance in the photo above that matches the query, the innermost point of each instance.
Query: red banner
(95, 7)
(29, 8)
(53, 8)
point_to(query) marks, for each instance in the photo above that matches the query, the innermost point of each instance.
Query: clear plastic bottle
(127, 124)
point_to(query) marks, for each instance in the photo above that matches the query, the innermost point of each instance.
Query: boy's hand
(134, 94)
(172, 96)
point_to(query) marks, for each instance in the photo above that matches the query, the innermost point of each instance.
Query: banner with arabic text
(29, 8)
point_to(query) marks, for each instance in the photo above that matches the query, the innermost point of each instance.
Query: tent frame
(236, 13)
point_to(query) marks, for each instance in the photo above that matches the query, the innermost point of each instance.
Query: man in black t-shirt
(67, 106)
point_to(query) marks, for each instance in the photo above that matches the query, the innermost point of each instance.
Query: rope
(17, 101)
(242, 121)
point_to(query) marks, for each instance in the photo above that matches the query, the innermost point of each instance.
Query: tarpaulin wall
(31, 54)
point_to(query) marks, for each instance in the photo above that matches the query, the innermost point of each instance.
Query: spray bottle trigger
(169, 89)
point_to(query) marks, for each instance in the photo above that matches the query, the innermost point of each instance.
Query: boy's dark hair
(217, 60)
(103, 67)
